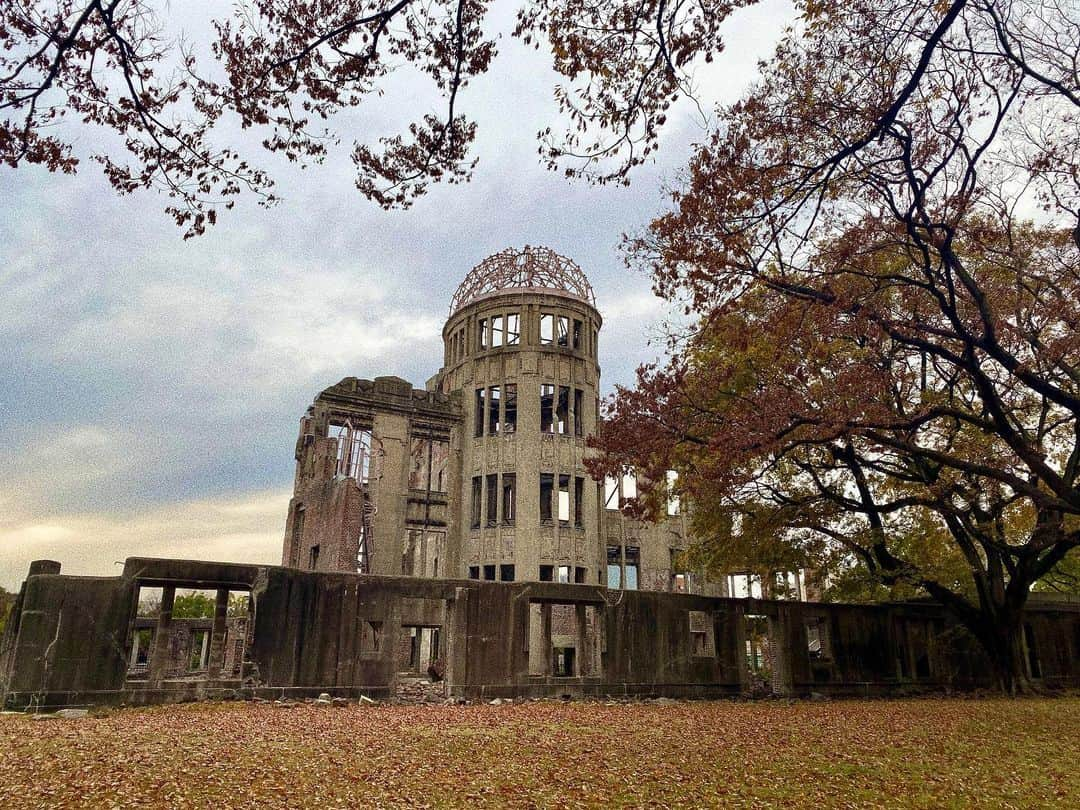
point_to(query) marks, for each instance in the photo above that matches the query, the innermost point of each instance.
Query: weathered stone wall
(70, 640)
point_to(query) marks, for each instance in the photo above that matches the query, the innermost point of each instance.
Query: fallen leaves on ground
(912, 753)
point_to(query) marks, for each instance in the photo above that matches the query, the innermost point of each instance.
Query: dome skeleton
(532, 268)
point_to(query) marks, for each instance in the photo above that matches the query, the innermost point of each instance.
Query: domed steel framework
(531, 268)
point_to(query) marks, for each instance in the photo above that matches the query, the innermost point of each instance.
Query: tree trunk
(1000, 631)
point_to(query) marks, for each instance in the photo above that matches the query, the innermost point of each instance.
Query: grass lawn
(908, 753)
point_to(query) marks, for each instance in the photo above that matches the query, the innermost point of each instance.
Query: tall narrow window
(547, 329)
(579, 416)
(547, 408)
(513, 329)
(509, 498)
(577, 334)
(563, 338)
(614, 567)
(564, 499)
(492, 499)
(496, 330)
(481, 334)
(579, 501)
(477, 490)
(611, 493)
(564, 574)
(562, 410)
(494, 400)
(510, 408)
(547, 484)
(629, 486)
(480, 412)
(633, 560)
(595, 341)
(673, 503)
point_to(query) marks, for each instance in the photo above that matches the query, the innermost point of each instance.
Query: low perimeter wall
(279, 632)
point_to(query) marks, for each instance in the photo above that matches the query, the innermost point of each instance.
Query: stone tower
(521, 356)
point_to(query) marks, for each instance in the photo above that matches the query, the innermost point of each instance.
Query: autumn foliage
(289, 69)
(880, 244)
(931, 753)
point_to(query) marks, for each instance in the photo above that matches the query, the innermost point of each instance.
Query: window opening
(577, 334)
(547, 408)
(496, 331)
(562, 412)
(579, 501)
(579, 415)
(547, 484)
(477, 488)
(480, 412)
(489, 572)
(547, 573)
(564, 328)
(614, 567)
(564, 499)
(633, 560)
(510, 408)
(494, 400)
(513, 329)
(509, 498)
(506, 573)
(547, 329)
(481, 334)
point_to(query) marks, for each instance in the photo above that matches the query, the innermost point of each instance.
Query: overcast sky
(150, 388)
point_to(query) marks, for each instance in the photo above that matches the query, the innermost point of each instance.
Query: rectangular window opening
(494, 400)
(513, 329)
(547, 329)
(547, 408)
(480, 412)
(489, 572)
(496, 331)
(577, 334)
(632, 562)
(547, 485)
(563, 337)
(547, 573)
(614, 566)
(564, 574)
(510, 408)
(509, 498)
(506, 573)
(564, 499)
(579, 502)
(481, 334)
(562, 411)
(477, 489)
(579, 414)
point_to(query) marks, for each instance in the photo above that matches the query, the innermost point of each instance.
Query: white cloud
(245, 528)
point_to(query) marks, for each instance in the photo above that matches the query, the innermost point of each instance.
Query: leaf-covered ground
(916, 753)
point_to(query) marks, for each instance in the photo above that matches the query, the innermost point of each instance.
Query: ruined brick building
(482, 475)
(449, 542)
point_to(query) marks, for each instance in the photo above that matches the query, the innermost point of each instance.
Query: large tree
(288, 68)
(880, 244)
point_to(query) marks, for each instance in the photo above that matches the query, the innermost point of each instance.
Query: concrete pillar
(545, 637)
(217, 635)
(584, 652)
(159, 659)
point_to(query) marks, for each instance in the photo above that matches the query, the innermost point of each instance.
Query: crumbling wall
(71, 640)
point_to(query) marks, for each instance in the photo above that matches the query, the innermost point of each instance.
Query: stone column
(217, 635)
(159, 659)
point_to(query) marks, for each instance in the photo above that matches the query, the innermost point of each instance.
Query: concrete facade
(482, 476)
(73, 641)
